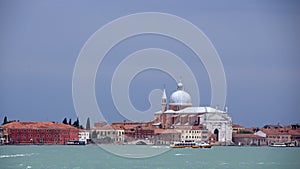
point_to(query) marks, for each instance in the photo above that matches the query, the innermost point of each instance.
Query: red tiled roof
(161, 131)
(275, 131)
(132, 125)
(245, 135)
(196, 128)
(183, 127)
(294, 132)
(106, 127)
(82, 130)
(37, 125)
(237, 126)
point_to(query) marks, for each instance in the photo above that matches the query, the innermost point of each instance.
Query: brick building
(286, 134)
(39, 133)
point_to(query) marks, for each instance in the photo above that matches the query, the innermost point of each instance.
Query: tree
(65, 121)
(88, 125)
(5, 120)
(70, 121)
(76, 123)
(244, 132)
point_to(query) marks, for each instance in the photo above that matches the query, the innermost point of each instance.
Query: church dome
(180, 97)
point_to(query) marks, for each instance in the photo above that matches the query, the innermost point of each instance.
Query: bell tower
(164, 101)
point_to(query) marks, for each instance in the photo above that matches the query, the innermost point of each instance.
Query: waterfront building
(2, 136)
(39, 133)
(248, 140)
(84, 136)
(187, 135)
(181, 113)
(107, 134)
(192, 133)
(294, 130)
(277, 136)
(136, 131)
(166, 136)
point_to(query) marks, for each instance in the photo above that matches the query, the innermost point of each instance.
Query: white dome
(180, 97)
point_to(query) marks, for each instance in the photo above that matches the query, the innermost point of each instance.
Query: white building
(107, 134)
(181, 113)
(84, 135)
(191, 135)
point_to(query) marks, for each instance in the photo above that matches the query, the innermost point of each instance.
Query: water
(91, 156)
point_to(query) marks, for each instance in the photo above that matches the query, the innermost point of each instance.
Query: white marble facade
(219, 123)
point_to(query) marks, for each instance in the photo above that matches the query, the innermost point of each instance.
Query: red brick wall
(42, 136)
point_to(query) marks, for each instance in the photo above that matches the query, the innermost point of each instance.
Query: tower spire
(164, 100)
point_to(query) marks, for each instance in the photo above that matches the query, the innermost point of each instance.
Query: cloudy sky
(257, 42)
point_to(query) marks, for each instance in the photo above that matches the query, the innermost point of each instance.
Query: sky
(257, 42)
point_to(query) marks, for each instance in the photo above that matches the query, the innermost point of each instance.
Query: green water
(91, 156)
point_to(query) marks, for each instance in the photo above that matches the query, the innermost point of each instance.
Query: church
(180, 113)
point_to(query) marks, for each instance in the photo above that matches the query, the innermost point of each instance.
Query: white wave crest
(15, 155)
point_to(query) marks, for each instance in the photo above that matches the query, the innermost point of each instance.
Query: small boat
(291, 144)
(75, 142)
(205, 145)
(184, 145)
(278, 145)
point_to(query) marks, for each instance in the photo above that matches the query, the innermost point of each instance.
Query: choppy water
(91, 156)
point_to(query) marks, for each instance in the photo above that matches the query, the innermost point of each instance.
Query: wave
(15, 155)
(159, 147)
(181, 154)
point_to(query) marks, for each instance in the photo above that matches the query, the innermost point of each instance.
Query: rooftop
(37, 125)
(193, 110)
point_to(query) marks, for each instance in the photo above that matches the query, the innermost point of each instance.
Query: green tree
(65, 121)
(88, 125)
(244, 132)
(70, 121)
(76, 123)
(5, 120)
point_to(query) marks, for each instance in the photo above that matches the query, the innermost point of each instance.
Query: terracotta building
(136, 130)
(286, 134)
(39, 133)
